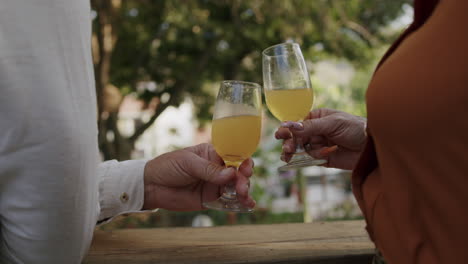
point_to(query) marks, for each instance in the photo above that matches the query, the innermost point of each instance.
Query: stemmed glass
(235, 133)
(288, 93)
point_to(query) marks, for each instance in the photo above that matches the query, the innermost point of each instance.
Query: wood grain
(330, 242)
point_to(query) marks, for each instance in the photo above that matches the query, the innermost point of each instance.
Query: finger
(282, 133)
(320, 112)
(289, 146)
(286, 156)
(324, 152)
(313, 131)
(249, 202)
(246, 168)
(206, 151)
(292, 125)
(317, 140)
(313, 127)
(242, 185)
(213, 156)
(328, 150)
(310, 147)
(210, 192)
(244, 197)
(208, 171)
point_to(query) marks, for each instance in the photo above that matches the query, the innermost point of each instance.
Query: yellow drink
(289, 104)
(235, 138)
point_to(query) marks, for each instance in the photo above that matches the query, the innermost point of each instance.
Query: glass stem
(230, 189)
(299, 145)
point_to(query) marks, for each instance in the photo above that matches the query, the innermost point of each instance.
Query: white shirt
(52, 188)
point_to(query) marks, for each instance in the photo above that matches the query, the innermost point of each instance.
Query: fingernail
(297, 126)
(327, 151)
(333, 148)
(282, 157)
(294, 125)
(286, 124)
(226, 172)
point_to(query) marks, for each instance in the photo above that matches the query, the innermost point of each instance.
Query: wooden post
(303, 192)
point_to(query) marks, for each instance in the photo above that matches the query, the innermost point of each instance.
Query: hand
(181, 180)
(327, 133)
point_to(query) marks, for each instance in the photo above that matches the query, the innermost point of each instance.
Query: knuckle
(211, 170)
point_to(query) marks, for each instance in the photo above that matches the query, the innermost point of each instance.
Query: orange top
(412, 180)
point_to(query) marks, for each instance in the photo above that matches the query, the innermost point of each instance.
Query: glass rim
(249, 84)
(284, 44)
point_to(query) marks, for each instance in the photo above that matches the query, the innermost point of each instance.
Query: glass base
(300, 160)
(227, 204)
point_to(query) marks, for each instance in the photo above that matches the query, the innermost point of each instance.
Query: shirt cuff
(121, 187)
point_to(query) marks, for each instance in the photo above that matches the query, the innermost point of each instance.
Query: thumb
(206, 170)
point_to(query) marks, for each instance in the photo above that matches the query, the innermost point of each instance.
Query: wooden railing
(321, 242)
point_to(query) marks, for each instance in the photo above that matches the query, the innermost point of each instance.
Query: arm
(121, 187)
(321, 131)
(180, 180)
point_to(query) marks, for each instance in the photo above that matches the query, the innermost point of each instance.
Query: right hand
(182, 180)
(323, 129)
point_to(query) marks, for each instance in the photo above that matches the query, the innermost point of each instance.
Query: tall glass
(288, 93)
(235, 133)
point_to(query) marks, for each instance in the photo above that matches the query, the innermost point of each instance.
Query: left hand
(183, 179)
(337, 136)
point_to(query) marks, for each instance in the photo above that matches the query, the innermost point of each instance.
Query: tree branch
(354, 26)
(204, 58)
(141, 129)
(362, 31)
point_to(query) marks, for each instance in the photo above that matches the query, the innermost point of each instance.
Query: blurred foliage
(165, 218)
(165, 51)
(349, 96)
(347, 210)
(183, 47)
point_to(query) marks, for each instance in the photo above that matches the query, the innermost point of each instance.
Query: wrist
(150, 200)
(364, 120)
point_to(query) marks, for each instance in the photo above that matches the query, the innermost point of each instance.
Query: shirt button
(124, 197)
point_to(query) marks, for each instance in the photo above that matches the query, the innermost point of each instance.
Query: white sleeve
(121, 187)
(48, 132)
